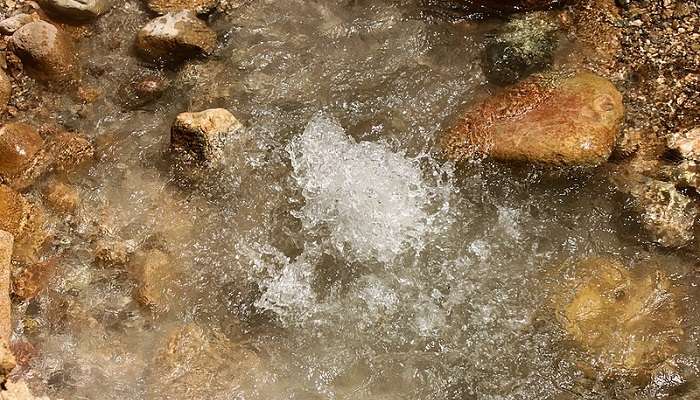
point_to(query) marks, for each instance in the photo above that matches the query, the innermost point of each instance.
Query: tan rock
(155, 276)
(687, 143)
(6, 249)
(629, 325)
(8, 26)
(201, 136)
(166, 6)
(19, 144)
(61, 196)
(561, 121)
(18, 391)
(71, 151)
(175, 37)
(76, 10)
(46, 50)
(7, 361)
(14, 211)
(192, 361)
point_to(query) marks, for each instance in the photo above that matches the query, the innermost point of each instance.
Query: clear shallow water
(410, 280)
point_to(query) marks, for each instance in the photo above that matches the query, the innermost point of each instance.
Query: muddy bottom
(334, 254)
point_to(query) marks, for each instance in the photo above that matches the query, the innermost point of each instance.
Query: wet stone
(8, 26)
(71, 151)
(18, 391)
(687, 143)
(201, 136)
(77, 10)
(46, 50)
(19, 144)
(166, 6)
(61, 196)
(111, 253)
(524, 46)
(499, 6)
(175, 37)
(142, 91)
(551, 120)
(629, 326)
(33, 279)
(6, 250)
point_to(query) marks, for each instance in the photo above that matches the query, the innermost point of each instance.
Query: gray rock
(8, 26)
(201, 136)
(78, 10)
(175, 37)
(524, 46)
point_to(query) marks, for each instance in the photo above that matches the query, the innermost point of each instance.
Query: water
(335, 255)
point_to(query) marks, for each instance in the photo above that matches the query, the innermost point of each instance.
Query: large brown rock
(19, 144)
(175, 37)
(553, 120)
(46, 50)
(628, 325)
(166, 6)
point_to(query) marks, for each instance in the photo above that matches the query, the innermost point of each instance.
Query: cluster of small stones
(36, 165)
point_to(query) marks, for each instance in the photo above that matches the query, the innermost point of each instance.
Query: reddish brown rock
(111, 252)
(19, 144)
(166, 6)
(46, 50)
(33, 279)
(25, 221)
(175, 37)
(560, 121)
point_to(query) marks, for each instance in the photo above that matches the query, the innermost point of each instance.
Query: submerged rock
(175, 37)
(60, 196)
(111, 253)
(155, 274)
(195, 363)
(71, 151)
(524, 46)
(19, 144)
(8, 26)
(77, 10)
(629, 325)
(560, 121)
(166, 6)
(142, 90)
(201, 136)
(46, 50)
(501, 6)
(32, 279)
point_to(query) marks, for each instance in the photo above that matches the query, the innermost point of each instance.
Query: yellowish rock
(629, 325)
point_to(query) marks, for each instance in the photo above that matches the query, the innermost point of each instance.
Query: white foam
(371, 199)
